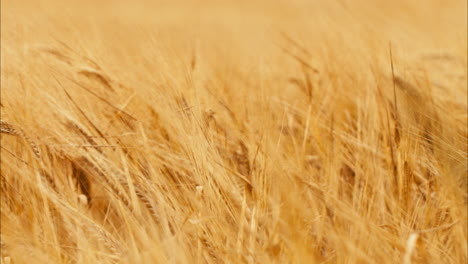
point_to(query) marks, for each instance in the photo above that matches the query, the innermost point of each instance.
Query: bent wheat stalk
(10, 129)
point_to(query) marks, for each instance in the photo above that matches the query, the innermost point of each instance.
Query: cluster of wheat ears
(242, 132)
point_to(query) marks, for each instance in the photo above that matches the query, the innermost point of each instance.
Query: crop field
(234, 131)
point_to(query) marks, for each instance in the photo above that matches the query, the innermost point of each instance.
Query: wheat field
(234, 131)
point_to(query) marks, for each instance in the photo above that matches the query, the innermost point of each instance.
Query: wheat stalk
(10, 129)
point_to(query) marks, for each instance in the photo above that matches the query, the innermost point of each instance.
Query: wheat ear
(10, 129)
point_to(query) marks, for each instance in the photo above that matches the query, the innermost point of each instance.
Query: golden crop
(234, 131)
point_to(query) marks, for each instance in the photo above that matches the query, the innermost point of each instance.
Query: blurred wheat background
(243, 131)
